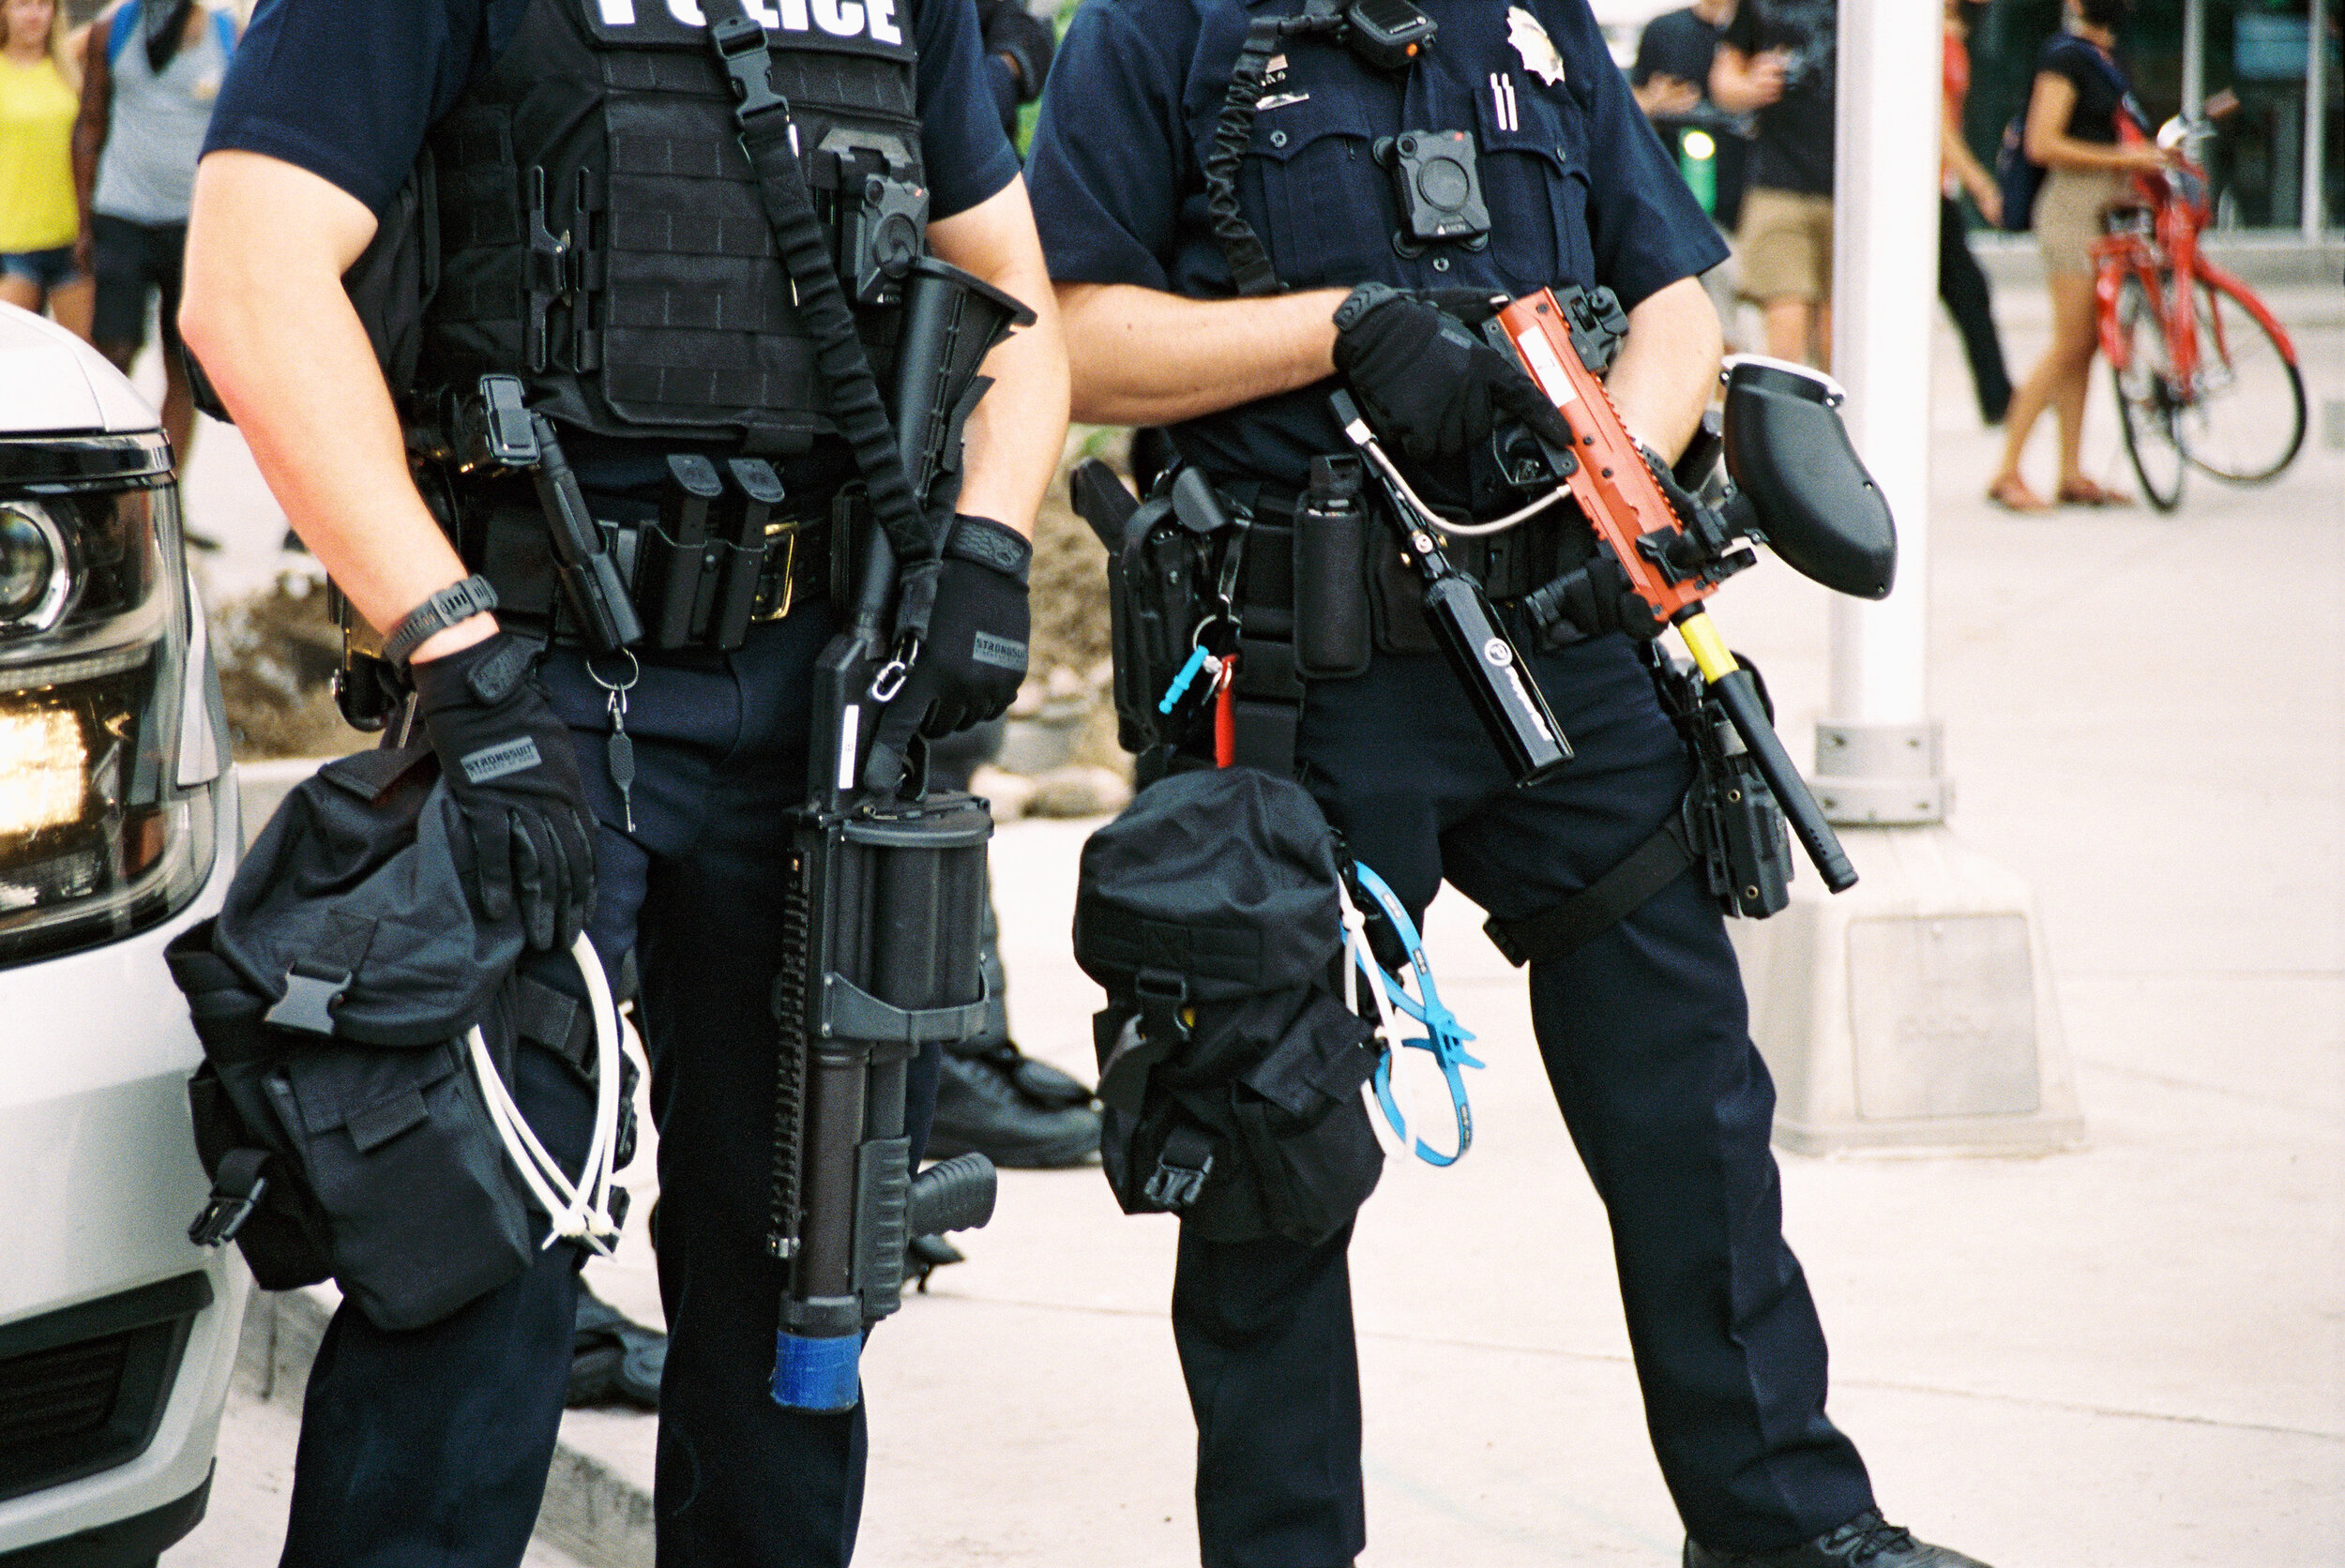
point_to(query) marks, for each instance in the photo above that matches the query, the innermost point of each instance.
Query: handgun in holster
(885, 903)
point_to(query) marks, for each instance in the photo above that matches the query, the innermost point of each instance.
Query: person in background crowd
(1779, 59)
(1960, 283)
(1672, 82)
(39, 219)
(150, 71)
(1018, 48)
(2072, 111)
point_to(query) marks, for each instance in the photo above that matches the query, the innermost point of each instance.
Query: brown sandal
(2012, 495)
(2088, 492)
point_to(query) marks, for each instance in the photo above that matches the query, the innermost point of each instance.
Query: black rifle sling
(769, 140)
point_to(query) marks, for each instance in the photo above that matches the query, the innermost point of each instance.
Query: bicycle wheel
(2145, 402)
(2245, 418)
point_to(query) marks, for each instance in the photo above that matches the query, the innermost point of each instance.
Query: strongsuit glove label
(496, 761)
(999, 652)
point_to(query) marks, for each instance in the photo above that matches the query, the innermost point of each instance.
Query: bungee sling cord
(1444, 1039)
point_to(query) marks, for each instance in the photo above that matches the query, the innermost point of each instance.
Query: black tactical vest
(599, 230)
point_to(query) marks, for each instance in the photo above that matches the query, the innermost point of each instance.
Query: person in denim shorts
(38, 216)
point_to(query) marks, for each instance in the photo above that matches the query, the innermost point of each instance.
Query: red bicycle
(2206, 377)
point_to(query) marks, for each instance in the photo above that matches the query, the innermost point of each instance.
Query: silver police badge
(1536, 48)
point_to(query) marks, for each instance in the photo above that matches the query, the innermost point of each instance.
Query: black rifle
(887, 888)
(886, 899)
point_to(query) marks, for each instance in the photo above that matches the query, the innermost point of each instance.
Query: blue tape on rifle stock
(812, 1374)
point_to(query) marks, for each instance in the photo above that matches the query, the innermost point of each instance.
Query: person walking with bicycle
(2071, 132)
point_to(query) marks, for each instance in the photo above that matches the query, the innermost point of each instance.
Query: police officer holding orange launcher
(1224, 297)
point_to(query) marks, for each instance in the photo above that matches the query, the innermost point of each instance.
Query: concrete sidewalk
(2127, 1356)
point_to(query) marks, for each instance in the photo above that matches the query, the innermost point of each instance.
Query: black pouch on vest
(332, 996)
(1331, 634)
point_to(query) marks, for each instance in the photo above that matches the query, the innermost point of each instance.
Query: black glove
(975, 655)
(1426, 381)
(513, 776)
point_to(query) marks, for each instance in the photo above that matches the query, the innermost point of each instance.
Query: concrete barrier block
(1915, 1011)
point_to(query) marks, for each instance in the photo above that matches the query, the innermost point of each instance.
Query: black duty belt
(1507, 565)
(784, 563)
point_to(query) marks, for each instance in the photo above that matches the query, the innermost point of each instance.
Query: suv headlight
(96, 839)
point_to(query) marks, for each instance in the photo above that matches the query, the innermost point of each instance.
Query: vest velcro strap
(560, 1022)
(1597, 908)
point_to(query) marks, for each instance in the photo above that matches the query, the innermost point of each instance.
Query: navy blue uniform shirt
(1579, 187)
(347, 89)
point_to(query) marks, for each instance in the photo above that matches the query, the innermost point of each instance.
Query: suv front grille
(60, 1396)
(83, 1389)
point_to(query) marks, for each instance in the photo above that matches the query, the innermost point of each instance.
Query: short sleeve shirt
(1678, 44)
(1793, 150)
(348, 88)
(2101, 88)
(1578, 186)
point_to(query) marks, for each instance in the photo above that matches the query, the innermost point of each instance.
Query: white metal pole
(1884, 270)
(1847, 1021)
(2193, 58)
(2316, 113)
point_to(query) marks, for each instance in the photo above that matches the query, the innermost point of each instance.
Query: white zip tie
(582, 1213)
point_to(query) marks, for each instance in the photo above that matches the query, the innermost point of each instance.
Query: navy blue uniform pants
(1643, 1036)
(438, 1449)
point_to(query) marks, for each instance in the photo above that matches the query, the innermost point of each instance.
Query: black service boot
(925, 1254)
(613, 1359)
(1019, 1113)
(1867, 1541)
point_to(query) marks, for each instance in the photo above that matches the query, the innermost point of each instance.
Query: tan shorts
(1785, 246)
(2068, 216)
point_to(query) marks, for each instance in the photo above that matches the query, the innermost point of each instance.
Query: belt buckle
(786, 595)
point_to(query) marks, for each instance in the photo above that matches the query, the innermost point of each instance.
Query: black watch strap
(459, 601)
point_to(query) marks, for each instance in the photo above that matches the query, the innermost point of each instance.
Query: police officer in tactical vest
(1221, 278)
(570, 269)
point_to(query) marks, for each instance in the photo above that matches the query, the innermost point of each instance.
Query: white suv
(117, 830)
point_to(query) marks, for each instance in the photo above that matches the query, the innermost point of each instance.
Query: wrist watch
(458, 601)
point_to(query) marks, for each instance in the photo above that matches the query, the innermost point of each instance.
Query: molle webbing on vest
(603, 238)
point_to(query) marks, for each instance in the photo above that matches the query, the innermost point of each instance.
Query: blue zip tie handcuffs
(1444, 1038)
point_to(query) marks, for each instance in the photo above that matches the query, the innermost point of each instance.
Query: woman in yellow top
(39, 217)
